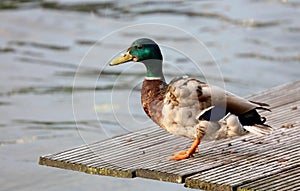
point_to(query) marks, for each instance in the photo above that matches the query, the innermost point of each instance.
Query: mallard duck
(189, 107)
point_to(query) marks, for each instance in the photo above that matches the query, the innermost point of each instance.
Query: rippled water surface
(57, 91)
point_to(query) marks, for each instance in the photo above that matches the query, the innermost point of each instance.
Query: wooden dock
(246, 163)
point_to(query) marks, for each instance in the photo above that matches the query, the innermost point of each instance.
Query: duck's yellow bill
(125, 58)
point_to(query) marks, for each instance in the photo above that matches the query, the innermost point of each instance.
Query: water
(57, 91)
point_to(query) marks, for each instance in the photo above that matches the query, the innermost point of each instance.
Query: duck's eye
(139, 47)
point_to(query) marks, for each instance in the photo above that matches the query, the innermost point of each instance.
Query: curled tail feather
(254, 123)
(251, 118)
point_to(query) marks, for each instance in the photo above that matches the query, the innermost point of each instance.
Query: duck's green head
(146, 51)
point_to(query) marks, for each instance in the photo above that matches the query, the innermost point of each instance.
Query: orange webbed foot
(181, 155)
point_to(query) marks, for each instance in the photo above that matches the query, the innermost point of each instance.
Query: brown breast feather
(152, 98)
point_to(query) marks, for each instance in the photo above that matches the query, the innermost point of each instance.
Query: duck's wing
(224, 102)
(233, 103)
(213, 102)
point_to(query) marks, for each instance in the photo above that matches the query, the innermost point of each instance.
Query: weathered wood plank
(285, 180)
(94, 158)
(242, 163)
